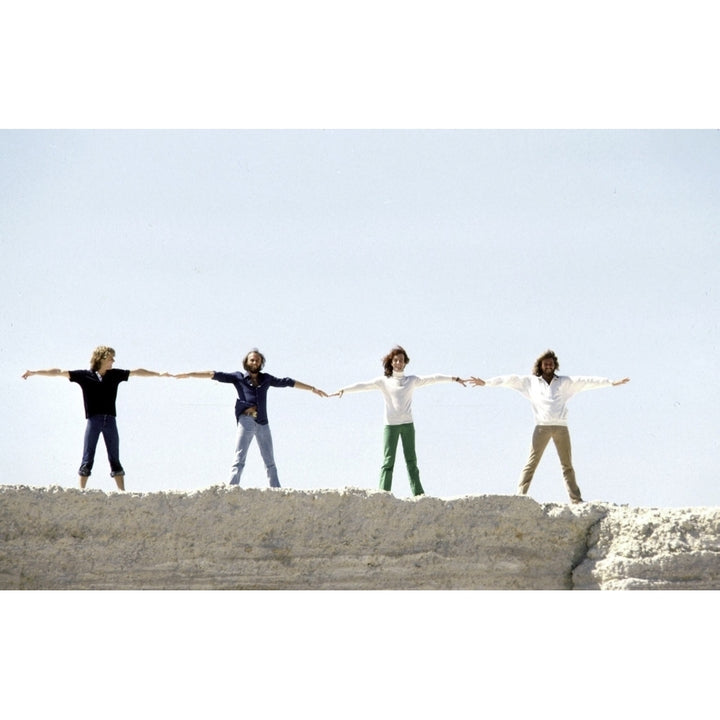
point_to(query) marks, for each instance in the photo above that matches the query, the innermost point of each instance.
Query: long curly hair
(99, 354)
(387, 360)
(547, 354)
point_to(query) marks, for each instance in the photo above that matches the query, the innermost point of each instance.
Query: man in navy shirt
(251, 410)
(99, 387)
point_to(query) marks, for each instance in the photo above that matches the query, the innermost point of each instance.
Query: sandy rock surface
(234, 538)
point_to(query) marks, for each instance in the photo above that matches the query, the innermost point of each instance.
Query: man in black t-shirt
(99, 387)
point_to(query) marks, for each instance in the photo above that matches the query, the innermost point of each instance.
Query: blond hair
(99, 354)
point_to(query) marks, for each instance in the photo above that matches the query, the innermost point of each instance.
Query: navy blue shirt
(99, 395)
(250, 395)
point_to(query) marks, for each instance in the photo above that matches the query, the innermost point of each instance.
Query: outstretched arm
(424, 380)
(53, 372)
(203, 375)
(357, 387)
(621, 382)
(303, 386)
(514, 382)
(141, 372)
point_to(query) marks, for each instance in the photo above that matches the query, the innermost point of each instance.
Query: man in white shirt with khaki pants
(549, 394)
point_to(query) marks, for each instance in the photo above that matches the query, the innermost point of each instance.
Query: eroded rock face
(655, 549)
(234, 538)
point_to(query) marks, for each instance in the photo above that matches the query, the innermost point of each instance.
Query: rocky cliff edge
(235, 538)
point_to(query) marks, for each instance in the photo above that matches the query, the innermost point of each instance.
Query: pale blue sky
(476, 250)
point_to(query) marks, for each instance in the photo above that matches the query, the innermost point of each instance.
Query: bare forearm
(203, 375)
(141, 372)
(304, 386)
(52, 372)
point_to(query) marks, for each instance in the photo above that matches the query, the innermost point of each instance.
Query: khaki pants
(542, 435)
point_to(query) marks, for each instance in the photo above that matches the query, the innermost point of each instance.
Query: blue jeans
(106, 426)
(247, 429)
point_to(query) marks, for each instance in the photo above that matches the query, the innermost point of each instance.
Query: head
(100, 355)
(389, 362)
(545, 359)
(254, 361)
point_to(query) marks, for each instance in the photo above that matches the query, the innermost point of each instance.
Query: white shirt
(397, 391)
(549, 401)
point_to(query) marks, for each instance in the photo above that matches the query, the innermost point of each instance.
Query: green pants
(390, 441)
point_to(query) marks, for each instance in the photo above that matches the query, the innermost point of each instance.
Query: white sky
(475, 249)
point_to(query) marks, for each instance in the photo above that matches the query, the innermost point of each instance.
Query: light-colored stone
(234, 538)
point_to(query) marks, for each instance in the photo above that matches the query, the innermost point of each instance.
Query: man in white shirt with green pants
(397, 390)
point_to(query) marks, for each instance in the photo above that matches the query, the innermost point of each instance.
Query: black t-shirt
(99, 394)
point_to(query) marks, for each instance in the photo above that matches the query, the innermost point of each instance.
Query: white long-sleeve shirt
(549, 401)
(397, 391)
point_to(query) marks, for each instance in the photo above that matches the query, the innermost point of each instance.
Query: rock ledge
(233, 538)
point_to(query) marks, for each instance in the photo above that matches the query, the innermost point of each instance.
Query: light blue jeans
(247, 429)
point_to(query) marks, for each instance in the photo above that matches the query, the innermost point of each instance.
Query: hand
(26, 374)
(339, 393)
(460, 380)
(474, 381)
(621, 382)
(319, 392)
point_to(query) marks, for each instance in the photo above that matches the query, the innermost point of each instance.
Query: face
(106, 364)
(398, 362)
(547, 366)
(254, 362)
